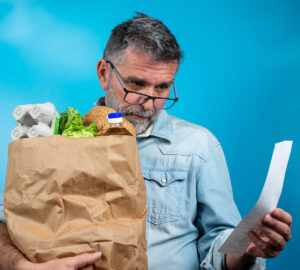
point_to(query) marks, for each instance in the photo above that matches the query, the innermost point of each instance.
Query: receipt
(238, 241)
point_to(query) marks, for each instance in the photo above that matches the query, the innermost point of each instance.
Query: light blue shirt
(189, 197)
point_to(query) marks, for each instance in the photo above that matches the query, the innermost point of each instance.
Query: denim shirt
(190, 204)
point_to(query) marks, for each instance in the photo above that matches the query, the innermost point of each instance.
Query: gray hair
(145, 34)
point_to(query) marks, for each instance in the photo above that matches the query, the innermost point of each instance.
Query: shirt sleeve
(216, 260)
(217, 213)
(2, 217)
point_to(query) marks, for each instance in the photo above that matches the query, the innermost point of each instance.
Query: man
(190, 206)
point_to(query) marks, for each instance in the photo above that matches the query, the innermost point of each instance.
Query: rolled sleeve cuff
(215, 260)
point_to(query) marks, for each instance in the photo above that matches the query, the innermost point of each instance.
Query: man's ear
(103, 73)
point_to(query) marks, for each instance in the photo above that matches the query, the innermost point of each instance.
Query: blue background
(240, 77)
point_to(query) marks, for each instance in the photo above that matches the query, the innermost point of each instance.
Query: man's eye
(162, 87)
(136, 84)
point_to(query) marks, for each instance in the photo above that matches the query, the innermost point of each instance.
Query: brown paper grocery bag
(66, 196)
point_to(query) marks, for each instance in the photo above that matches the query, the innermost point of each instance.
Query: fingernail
(276, 212)
(96, 254)
(268, 219)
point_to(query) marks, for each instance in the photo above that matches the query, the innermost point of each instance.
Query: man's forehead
(138, 64)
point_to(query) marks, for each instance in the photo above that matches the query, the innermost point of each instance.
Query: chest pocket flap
(164, 194)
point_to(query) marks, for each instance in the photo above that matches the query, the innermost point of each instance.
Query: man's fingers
(85, 259)
(275, 232)
(280, 227)
(266, 250)
(254, 251)
(273, 237)
(282, 216)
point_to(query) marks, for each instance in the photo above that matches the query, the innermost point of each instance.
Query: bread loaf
(99, 115)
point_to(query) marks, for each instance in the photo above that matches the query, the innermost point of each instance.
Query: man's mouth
(137, 117)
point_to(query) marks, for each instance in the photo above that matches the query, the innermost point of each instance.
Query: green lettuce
(71, 124)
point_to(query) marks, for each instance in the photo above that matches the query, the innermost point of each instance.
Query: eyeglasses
(135, 98)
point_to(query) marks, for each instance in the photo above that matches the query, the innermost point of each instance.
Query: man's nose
(148, 105)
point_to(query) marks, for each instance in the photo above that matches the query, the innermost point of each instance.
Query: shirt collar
(146, 133)
(162, 128)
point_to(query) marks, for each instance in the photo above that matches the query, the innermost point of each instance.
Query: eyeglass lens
(137, 99)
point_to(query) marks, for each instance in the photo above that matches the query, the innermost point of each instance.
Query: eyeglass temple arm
(175, 90)
(117, 75)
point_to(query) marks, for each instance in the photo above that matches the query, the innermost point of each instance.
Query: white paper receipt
(238, 240)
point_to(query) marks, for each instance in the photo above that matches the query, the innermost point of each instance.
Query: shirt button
(164, 180)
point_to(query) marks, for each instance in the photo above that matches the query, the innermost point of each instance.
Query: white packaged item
(34, 120)
(39, 130)
(20, 113)
(43, 112)
(19, 132)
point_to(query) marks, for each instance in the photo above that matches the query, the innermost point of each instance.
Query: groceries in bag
(66, 196)
(40, 120)
(99, 115)
(71, 124)
(115, 125)
(34, 120)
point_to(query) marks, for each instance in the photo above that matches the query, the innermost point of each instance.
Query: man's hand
(71, 263)
(275, 232)
(11, 258)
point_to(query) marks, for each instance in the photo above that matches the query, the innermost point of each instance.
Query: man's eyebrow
(133, 78)
(168, 83)
(140, 80)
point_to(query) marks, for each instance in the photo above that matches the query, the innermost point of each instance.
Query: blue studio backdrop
(239, 78)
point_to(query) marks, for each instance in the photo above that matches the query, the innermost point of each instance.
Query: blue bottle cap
(114, 115)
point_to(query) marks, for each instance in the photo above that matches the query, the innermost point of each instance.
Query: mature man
(190, 206)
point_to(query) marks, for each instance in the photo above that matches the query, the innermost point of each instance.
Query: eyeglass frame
(147, 96)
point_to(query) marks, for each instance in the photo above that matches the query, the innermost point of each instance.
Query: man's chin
(140, 128)
(141, 124)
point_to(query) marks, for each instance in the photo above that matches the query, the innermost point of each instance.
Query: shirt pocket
(164, 195)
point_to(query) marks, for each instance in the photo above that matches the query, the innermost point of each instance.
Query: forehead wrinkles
(154, 74)
(138, 64)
